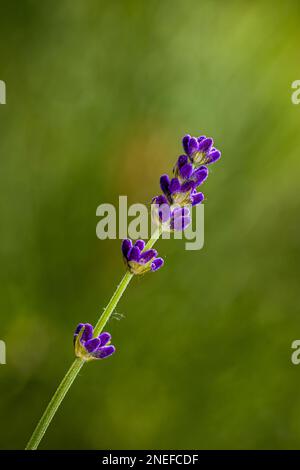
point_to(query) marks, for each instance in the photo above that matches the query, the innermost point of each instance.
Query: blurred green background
(99, 95)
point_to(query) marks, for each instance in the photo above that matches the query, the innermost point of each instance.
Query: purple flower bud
(148, 255)
(197, 198)
(187, 186)
(164, 184)
(157, 263)
(186, 170)
(104, 352)
(104, 338)
(88, 347)
(192, 146)
(205, 145)
(78, 328)
(138, 260)
(174, 186)
(88, 332)
(159, 200)
(126, 246)
(92, 344)
(134, 254)
(140, 244)
(203, 152)
(185, 143)
(213, 156)
(182, 160)
(200, 175)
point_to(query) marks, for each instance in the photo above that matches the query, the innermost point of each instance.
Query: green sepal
(80, 350)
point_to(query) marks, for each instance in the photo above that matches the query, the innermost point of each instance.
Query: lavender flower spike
(171, 212)
(87, 347)
(139, 261)
(200, 150)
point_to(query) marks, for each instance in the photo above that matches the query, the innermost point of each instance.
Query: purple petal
(174, 185)
(148, 255)
(185, 143)
(140, 244)
(134, 254)
(159, 200)
(126, 245)
(197, 198)
(92, 344)
(104, 338)
(186, 171)
(157, 263)
(182, 160)
(213, 156)
(193, 146)
(205, 145)
(200, 175)
(187, 186)
(88, 332)
(78, 328)
(165, 183)
(104, 351)
(201, 138)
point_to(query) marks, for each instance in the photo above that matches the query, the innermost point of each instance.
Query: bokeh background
(99, 95)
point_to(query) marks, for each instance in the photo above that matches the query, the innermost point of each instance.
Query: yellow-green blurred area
(99, 95)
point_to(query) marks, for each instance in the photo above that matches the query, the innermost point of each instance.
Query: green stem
(112, 303)
(52, 408)
(73, 371)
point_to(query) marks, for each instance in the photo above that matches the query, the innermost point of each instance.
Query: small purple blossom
(197, 198)
(87, 347)
(183, 168)
(179, 191)
(137, 259)
(200, 150)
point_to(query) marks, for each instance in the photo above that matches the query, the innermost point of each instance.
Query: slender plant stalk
(53, 406)
(112, 303)
(76, 366)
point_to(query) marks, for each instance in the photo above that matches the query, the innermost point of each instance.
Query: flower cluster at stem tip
(137, 259)
(172, 207)
(171, 213)
(88, 347)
